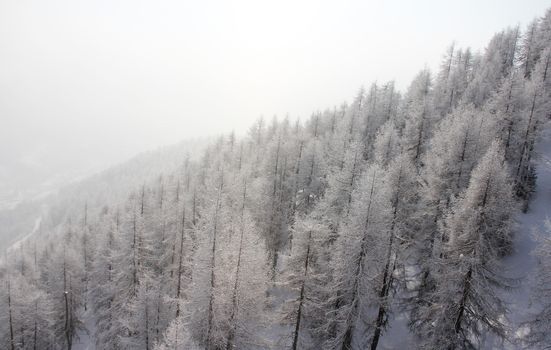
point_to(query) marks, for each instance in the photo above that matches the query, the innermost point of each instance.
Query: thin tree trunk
(347, 340)
(213, 267)
(352, 179)
(235, 310)
(68, 320)
(35, 324)
(180, 263)
(463, 301)
(146, 318)
(525, 143)
(271, 231)
(310, 176)
(12, 339)
(462, 158)
(301, 298)
(387, 273)
(85, 254)
(297, 172)
(134, 255)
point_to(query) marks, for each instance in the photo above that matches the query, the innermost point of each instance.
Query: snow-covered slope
(107, 186)
(522, 263)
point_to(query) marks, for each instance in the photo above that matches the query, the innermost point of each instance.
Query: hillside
(399, 219)
(69, 198)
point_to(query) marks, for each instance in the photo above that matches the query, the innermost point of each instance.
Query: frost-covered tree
(454, 150)
(537, 103)
(496, 64)
(465, 303)
(103, 289)
(306, 276)
(352, 290)
(418, 116)
(177, 337)
(367, 272)
(387, 144)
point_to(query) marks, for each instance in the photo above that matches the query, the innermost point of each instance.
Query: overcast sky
(89, 83)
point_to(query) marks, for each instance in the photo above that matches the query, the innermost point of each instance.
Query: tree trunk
(68, 320)
(213, 267)
(526, 142)
(463, 301)
(12, 339)
(85, 255)
(235, 310)
(35, 324)
(134, 255)
(271, 230)
(301, 298)
(146, 318)
(388, 272)
(351, 184)
(180, 263)
(68, 335)
(347, 340)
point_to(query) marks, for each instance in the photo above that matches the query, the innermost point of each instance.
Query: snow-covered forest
(313, 234)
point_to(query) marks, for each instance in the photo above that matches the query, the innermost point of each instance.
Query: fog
(86, 84)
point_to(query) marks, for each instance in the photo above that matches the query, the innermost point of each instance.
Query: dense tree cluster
(309, 235)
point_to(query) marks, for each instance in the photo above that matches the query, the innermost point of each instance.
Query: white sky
(93, 82)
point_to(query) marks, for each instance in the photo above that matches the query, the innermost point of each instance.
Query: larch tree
(369, 218)
(102, 277)
(465, 303)
(418, 116)
(306, 275)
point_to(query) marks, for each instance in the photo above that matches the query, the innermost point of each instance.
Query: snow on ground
(85, 338)
(398, 336)
(521, 264)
